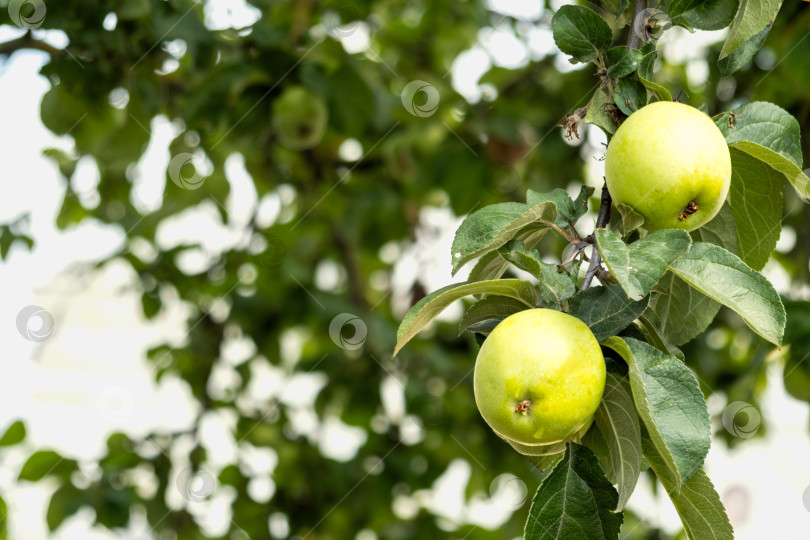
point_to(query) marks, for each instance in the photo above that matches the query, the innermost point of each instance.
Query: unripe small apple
(299, 118)
(539, 378)
(670, 163)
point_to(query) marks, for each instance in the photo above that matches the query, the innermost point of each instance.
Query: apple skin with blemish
(670, 163)
(539, 378)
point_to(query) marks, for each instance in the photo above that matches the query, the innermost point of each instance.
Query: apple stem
(633, 38)
(604, 209)
(601, 222)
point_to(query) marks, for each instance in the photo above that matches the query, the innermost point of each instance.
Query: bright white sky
(90, 379)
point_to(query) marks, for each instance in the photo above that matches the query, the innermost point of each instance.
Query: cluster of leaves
(651, 396)
(660, 290)
(224, 97)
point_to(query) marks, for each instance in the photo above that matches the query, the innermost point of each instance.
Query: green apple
(299, 118)
(539, 378)
(670, 163)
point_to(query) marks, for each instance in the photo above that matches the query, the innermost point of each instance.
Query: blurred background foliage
(285, 95)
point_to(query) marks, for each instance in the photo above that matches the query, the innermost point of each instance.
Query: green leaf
(670, 404)
(679, 7)
(493, 226)
(568, 210)
(751, 18)
(711, 14)
(618, 422)
(647, 64)
(15, 434)
(574, 501)
(489, 266)
(697, 502)
(597, 115)
(581, 203)
(65, 502)
(655, 92)
(594, 440)
(555, 287)
(516, 253)
(721, 230)
(722, 276)
(629, 96)
(767, 126)
(683, 311)
(431, 305)
(794, 174)
(756, 199)
(649, 325)
(493, 266)
(769, 134)
(615, 7)
(580, 32)
(606, 310)
(46, 463)
(622, 61)
(626, 220)
(743, 54)
(638, 266)
(543, 464)
(488, 308)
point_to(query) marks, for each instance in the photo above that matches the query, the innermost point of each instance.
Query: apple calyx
(690, 209)
(523, 407)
